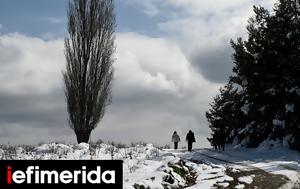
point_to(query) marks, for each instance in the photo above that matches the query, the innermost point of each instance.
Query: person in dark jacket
(175, 139)
(190, 138)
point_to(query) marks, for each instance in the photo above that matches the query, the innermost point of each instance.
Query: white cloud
(204, 28)
(155, 91)
(32, 103)
(206, 24)
(203, 8)
(158, 63)
(195, 8)
(30, 64)
(156, 88)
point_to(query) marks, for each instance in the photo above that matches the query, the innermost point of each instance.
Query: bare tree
(89, 47)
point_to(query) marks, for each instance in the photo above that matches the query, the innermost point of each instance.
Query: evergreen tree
(267, 68)
(224, 115)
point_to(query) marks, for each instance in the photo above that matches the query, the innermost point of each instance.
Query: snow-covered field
(146, 166)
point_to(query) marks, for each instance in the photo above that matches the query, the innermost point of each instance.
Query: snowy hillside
(146, 166)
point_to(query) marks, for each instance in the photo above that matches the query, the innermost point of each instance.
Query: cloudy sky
(171, 58)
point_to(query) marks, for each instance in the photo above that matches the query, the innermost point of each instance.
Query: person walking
(190, 138)
(175, 139)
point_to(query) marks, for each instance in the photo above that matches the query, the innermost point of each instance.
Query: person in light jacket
(175, 139)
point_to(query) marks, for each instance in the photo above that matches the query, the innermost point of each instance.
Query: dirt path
(261, 178)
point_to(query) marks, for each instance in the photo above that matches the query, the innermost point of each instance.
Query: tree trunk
(83, 136)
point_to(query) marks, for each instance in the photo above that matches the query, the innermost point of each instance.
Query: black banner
(104, 174)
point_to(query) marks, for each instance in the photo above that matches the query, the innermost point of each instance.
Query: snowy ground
(276, 160)
(146, 166)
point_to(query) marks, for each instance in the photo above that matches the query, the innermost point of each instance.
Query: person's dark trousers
(190, 146)
(175, 145)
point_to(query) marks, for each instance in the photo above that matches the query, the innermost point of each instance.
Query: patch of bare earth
(261, 180)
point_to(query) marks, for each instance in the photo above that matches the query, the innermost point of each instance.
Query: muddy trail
(260, 178)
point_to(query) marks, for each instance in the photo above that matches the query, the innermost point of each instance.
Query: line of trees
(261, 101)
